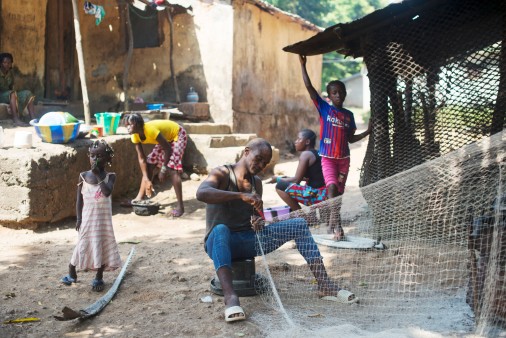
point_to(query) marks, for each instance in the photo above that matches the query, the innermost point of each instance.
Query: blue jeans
(223, 245)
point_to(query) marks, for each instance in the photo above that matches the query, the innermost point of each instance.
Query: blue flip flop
(67, 280)
(97, 285)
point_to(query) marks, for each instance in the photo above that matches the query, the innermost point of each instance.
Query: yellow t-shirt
(169, 130)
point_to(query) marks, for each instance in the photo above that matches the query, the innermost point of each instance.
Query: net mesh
(425, 248)
(432, 184)
(438, 82)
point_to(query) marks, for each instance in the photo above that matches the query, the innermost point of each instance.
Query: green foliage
(313, 11)
(326, 13)
(336, 67)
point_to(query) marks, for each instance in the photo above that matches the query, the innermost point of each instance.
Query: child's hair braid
(108, 149)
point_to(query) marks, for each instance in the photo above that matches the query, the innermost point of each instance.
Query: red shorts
(335, 171)
(157, 156)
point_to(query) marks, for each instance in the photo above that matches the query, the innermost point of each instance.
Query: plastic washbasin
(59, 133)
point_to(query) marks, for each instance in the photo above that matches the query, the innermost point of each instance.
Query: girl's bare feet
(176, 212)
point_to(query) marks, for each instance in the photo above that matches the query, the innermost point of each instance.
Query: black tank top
(314, 172)
(236, 214)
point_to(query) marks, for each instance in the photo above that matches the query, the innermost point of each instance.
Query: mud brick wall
(38, 185)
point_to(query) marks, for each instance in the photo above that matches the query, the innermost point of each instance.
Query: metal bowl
(145, 208)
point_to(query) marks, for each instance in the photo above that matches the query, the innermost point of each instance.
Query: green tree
(313, 11)
(326, 13)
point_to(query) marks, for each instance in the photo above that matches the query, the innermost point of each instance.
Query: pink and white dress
(96, 244)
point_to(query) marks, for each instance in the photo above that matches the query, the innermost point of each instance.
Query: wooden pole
(82, 72)
(61, 48)
(171, 55)
(128, 60)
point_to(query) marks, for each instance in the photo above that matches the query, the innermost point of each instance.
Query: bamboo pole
(82, 72)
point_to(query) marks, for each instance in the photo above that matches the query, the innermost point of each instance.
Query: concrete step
(212, 144)
(202, 159)
(206, 128)
(221, 140)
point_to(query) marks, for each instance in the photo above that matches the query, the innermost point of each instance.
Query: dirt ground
(161, 294)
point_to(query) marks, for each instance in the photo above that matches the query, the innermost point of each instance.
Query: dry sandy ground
(162, 290)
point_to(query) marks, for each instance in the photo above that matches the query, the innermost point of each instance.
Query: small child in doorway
(96, 247)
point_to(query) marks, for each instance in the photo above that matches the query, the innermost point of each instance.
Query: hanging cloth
(96, 10)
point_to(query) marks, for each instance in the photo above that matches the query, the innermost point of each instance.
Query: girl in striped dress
(96, 247)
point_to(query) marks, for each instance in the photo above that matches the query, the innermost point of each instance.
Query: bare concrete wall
(214, 29)
(357, 88)
(269, 97)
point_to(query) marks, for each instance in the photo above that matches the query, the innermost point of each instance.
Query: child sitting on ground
(96, 247)
(309, 170)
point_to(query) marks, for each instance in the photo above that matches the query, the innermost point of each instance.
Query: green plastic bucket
(110, 122)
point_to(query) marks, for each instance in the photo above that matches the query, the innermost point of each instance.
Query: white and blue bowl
(58, 133)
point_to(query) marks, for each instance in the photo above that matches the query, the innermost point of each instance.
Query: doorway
(61, 70)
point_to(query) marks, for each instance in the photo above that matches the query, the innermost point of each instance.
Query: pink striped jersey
(336, 127)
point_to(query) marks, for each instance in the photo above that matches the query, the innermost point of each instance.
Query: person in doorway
(96, 247)
(309, 170)
(233, 194)
(19, 100)
(166, 159)
(337, 130)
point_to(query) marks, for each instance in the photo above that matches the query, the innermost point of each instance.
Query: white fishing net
(425, 248)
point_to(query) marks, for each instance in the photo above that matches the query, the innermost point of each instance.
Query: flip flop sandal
(231, 312)
(67, 280)
(97, 285)
(343, 297)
